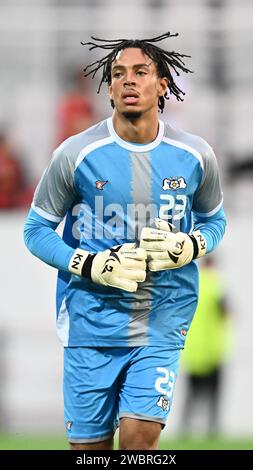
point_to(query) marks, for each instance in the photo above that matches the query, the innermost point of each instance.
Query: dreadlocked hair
(164, 61)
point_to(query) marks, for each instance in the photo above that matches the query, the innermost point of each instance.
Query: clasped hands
(124, 266)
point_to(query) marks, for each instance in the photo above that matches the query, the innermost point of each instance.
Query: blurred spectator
(75, 110)
(206, 349)
(10, 175)
(13, 191)
(242, 167)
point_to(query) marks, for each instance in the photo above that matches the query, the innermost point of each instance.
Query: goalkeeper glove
(168, 250)
(121, 266)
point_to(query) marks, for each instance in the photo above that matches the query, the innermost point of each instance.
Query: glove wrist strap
(86, 269)
(199, 244)
(80, 263)
(195, 247)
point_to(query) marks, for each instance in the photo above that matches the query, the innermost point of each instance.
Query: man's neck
(140, 131)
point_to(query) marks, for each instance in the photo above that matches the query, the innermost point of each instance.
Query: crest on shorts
(69, 425)
(163, 402)
(100, 184)
(174, 183)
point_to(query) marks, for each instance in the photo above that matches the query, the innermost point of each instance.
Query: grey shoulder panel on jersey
(208, 197)
(194, 141)
(73, 146)
(55, 192)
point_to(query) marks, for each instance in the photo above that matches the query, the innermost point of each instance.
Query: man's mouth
(130, 97)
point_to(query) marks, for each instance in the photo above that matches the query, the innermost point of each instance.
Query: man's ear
(163, 85)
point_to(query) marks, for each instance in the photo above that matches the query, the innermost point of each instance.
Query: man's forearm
(43, 242)
(121, 266)
(212, 228)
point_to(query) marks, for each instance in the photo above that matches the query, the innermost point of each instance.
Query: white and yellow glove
(168, 250)
(121, 266)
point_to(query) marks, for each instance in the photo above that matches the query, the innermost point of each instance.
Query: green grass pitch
(55, 442)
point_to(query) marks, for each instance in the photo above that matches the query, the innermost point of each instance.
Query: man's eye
(140, 73)
(117, 74)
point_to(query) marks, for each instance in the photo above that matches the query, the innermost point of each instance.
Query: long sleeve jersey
(108, 189)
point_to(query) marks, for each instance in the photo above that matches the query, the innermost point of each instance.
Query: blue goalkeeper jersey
(109, 189)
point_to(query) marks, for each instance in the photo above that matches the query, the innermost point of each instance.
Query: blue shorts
(102, 385)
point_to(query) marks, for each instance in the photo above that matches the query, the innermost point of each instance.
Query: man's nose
(129, 80)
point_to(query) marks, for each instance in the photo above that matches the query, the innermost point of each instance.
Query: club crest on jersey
(174, 183)
(100, 184)
(164, 403)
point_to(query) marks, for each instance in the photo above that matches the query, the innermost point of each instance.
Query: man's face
(135, 86)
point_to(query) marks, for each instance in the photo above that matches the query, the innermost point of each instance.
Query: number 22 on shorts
(167, 379)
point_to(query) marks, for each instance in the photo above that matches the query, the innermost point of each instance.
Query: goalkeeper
(127, 291)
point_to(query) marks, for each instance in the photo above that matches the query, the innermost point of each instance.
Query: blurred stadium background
(39, 53)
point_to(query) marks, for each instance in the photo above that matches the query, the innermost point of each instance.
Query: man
(75, 109)
(206, 350)
(123, 333)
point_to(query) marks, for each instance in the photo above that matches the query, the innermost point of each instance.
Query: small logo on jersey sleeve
(100, 184)
(174, 183)
(164, 403)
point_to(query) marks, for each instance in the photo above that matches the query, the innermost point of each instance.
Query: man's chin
(131, 115)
